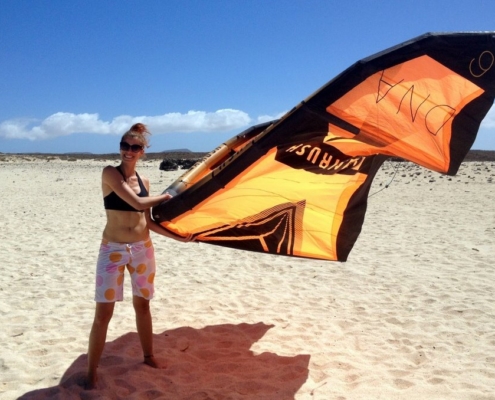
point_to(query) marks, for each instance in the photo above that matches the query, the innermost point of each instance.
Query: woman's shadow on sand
(214, 362)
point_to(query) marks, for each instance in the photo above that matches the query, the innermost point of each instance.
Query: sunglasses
(135, 148)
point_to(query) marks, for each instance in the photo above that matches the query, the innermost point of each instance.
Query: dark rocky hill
(480, 155)
(473, 155)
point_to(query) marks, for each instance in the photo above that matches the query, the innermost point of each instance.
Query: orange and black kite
(298, 186)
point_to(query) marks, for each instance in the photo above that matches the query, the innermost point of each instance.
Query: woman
(126, 243)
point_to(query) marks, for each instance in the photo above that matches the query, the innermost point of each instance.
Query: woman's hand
(187, 239)
(167, 196)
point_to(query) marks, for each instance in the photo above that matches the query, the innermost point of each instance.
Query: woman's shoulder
(110, 169)
(111, 173)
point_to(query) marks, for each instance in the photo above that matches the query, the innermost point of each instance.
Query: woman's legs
(144, 326)
(97, 337)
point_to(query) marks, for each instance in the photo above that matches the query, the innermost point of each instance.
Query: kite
(298, 186)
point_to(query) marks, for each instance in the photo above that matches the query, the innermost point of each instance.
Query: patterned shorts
(138, 257)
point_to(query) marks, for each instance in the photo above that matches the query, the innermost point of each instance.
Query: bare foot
(90, 382)
(153, 362)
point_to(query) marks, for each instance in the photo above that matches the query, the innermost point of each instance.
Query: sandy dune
(410, 316)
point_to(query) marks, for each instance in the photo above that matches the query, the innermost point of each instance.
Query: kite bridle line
(396, 169)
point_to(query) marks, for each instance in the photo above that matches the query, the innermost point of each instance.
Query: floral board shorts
(138, 257)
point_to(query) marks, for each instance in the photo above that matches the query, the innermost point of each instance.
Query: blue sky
(74, 74)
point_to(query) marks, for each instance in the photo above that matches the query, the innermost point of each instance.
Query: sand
(411, 315)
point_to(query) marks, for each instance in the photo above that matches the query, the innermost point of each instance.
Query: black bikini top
(113, 202)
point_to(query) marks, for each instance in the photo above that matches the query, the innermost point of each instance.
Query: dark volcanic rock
(169, 165)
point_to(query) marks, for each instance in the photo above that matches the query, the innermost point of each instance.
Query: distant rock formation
(169, 165)
(173, 164)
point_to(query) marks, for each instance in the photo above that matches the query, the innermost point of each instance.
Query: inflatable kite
(298, 186)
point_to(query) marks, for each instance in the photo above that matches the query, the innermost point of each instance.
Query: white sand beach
(411, 315)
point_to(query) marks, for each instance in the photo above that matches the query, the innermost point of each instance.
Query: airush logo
(319, 158)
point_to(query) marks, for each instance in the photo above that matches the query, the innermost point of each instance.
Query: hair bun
(140, 128)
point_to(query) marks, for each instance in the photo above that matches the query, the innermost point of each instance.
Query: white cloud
(63, 124)
(267, 118)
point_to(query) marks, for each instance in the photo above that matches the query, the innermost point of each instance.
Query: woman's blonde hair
(140, 132)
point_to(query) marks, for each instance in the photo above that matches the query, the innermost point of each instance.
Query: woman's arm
(157, 228)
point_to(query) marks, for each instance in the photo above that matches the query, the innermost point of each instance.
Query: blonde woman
(125, 244)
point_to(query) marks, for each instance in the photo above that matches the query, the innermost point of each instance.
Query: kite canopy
(299, 186)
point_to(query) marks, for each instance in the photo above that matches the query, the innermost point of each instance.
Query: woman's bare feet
(92, 378)
(152, 362)
(91, 381)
